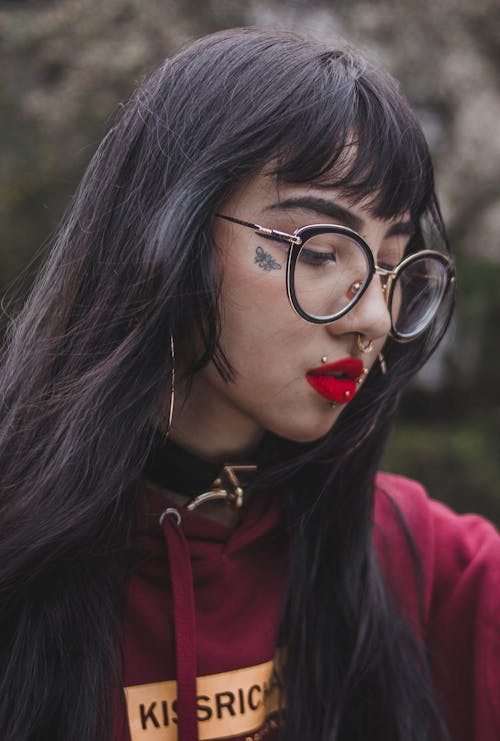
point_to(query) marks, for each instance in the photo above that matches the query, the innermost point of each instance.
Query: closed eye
(387, 266)
(315, 258)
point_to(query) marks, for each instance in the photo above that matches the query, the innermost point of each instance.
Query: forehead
(262, 196)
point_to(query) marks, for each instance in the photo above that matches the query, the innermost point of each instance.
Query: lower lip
(337, 390)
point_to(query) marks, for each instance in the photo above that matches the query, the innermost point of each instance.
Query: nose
(369, 317)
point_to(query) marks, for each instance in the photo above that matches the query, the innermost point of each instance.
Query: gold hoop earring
(172, 386)
(366, 346)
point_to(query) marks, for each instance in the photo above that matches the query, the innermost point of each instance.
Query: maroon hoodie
(204, 605)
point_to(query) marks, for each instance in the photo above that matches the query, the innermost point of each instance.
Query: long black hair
(87, 361)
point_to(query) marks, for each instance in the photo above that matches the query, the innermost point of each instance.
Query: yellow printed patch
(228, 704)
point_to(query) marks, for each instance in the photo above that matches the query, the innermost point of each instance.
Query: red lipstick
(336, 381)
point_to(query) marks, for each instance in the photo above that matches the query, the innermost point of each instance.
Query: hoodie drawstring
(181, 576)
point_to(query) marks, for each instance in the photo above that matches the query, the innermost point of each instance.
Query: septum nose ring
(364, 344)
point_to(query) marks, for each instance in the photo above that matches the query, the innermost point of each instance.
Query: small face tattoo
(265, 260)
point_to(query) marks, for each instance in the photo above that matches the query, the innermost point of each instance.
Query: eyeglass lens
(329, 271)
(417, 293)
(332, 268)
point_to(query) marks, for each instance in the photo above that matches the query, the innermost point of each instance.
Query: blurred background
(65, 66)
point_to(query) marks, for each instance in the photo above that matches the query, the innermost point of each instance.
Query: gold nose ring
(364, 346)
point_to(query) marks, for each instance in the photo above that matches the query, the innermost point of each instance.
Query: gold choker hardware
(228, 486)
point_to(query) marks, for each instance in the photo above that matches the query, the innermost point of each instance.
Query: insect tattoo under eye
(266, 261)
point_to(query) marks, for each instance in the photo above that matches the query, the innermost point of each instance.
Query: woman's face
(270, 347)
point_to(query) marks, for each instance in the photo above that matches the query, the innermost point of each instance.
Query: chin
(310, 428)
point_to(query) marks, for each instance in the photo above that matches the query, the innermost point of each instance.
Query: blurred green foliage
(459, 463)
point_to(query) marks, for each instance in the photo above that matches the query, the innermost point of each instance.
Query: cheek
(254, 305)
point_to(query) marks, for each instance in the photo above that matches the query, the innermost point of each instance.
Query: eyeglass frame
(302, 234)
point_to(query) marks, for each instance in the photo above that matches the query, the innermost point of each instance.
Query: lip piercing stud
(324, 359)
(364, 347)
(363, 375)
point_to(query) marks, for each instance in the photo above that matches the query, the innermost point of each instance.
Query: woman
(195, 400)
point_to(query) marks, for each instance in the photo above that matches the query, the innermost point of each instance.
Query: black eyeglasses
(329, 267)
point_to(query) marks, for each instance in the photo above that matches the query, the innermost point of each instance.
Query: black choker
(174, 468)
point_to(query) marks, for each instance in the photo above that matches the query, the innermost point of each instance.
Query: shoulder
(411, 528)
(443, 570)
(448, 544)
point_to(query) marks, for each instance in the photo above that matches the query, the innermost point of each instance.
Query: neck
(206, 425)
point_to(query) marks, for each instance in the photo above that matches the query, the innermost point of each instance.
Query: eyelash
(317, 258)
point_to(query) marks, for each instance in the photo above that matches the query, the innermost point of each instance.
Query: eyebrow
(339, 214)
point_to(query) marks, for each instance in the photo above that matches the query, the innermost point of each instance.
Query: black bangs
(357, 133)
